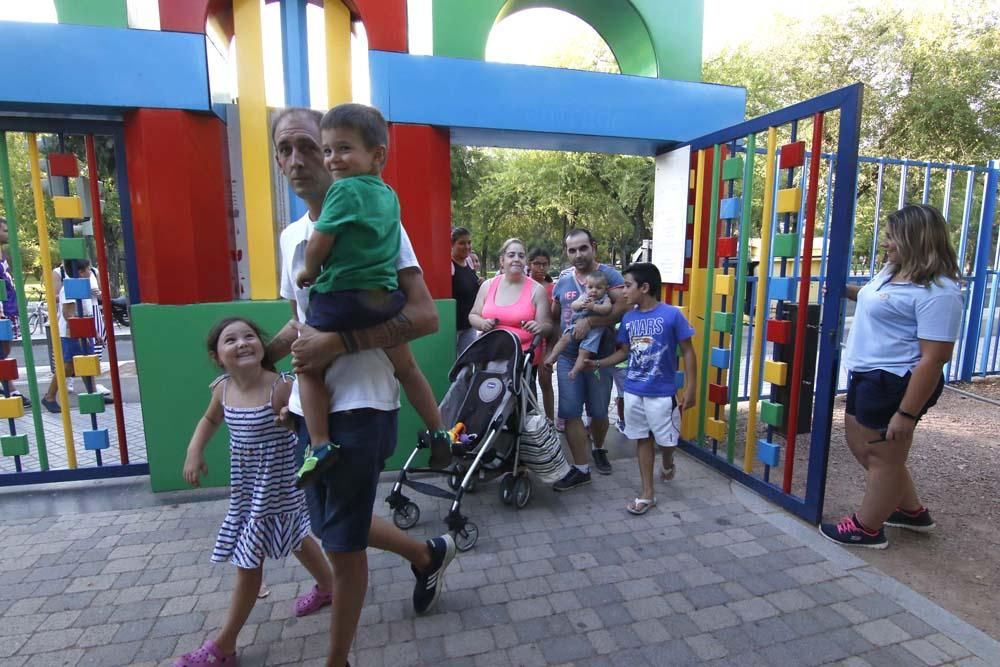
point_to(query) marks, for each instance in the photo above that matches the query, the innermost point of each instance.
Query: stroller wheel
(455, 479)
(522, 491)
(507, 489)
(467, 537)
(406, 516)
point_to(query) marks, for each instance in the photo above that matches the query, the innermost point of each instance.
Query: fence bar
(102, 261)
(984, 244)
(43, 242)
(17, 266)
(713, 232)
(798, 360)
(878, 215)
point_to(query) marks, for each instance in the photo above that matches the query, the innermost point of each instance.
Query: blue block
(687, 248)
(69, 67)
(720, 357)
(782, 289)
(520, 106)
(77, 288)
(729, 208)
(6, 330)
(679, 379)
(768, 453)
(94, 440)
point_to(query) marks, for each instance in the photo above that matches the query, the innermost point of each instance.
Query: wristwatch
(906, 414)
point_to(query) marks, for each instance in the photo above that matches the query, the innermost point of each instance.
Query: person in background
(905, 326)
(538, 265)
(464, 287)
(9, 309)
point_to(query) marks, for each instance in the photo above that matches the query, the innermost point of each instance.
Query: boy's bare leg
(421, 397)
(350, 581)
(548, 396)
(667, 454)
(557, 349)
(646, 459)
(581, 363)
(418, 389)
(315, 407)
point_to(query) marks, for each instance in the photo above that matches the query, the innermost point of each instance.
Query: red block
(718, 394)
(419, 170)
(178, 182)
(8, 369)
(191, 15)
(779, 331)
(725, 246)
(385, 23)
(63, 164)
(81, 327)
(792, 155)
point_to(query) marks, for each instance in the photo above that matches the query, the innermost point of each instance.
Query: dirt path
(955, 463)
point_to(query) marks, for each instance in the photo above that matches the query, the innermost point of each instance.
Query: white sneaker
(101, 389)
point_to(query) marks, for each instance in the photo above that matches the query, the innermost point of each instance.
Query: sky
(533, 36)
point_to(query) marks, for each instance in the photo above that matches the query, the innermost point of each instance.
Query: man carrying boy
(648, 338)
(364, 406)
(591, 389)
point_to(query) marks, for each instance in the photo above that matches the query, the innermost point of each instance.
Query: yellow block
(254, 137)
(789, 200)
(337, 21)
(68, 207)
(724, 284)
(692, 175)
(87, 365)
(716, 428)
(11, 408)
(776, 372)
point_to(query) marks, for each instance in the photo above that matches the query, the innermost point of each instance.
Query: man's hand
(581, 328)
(306, 278)
(314, 350)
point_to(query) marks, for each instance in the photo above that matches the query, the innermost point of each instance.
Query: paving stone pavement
(712, 575)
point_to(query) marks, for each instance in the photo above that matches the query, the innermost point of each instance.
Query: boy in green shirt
(350, 267)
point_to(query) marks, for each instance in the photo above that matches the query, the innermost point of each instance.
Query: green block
(91, 404)
(723, 321)
(732, 168)
(14, 445)
(690, 214)
(772, 414)
(786, 245)
(110, 13)
(165, 337)
(73, 248)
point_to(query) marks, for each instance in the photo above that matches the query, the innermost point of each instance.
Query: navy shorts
(341, 501)
(874, 396)
(352, 309)
(72, 347)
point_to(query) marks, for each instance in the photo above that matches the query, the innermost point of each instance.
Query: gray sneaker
(601, 461)
(573, 479)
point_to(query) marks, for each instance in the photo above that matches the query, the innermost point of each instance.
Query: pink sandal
(312, 601)
(209, 655)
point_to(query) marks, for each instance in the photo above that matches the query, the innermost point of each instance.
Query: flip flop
(667, 474)
(312, 601)
(641, 505)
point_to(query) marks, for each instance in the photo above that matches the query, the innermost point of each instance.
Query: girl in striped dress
(267, 515)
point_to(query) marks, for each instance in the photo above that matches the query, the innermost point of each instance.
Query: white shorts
(658, 415)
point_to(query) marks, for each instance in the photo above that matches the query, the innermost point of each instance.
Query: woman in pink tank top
(511, 300)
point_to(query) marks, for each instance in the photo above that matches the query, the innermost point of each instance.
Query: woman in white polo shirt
(905, 326)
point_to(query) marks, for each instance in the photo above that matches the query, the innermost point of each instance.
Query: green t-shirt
(362, 212)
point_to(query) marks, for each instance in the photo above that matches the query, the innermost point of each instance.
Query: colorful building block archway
(647, 37)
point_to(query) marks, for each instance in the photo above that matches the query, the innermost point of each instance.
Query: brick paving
(712, 575)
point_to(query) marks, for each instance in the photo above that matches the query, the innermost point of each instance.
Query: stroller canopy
(498, 351)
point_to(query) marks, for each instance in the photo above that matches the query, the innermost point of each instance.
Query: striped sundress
(267, 515)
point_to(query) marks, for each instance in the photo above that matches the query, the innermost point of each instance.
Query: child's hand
(687, 400)
(305, 278)
(194, 466)
(284, 419)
